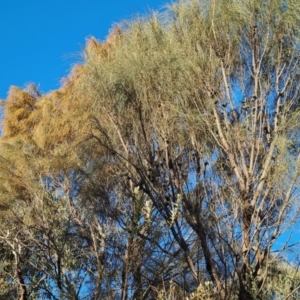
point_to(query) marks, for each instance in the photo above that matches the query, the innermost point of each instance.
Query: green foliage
(165, 167)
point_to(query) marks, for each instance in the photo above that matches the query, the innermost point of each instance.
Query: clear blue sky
(40, 39)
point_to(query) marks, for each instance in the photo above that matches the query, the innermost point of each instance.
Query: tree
(167, 161)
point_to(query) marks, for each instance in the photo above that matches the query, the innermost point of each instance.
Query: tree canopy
(166, 166)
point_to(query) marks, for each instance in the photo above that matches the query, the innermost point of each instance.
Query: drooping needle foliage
(166, 166)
